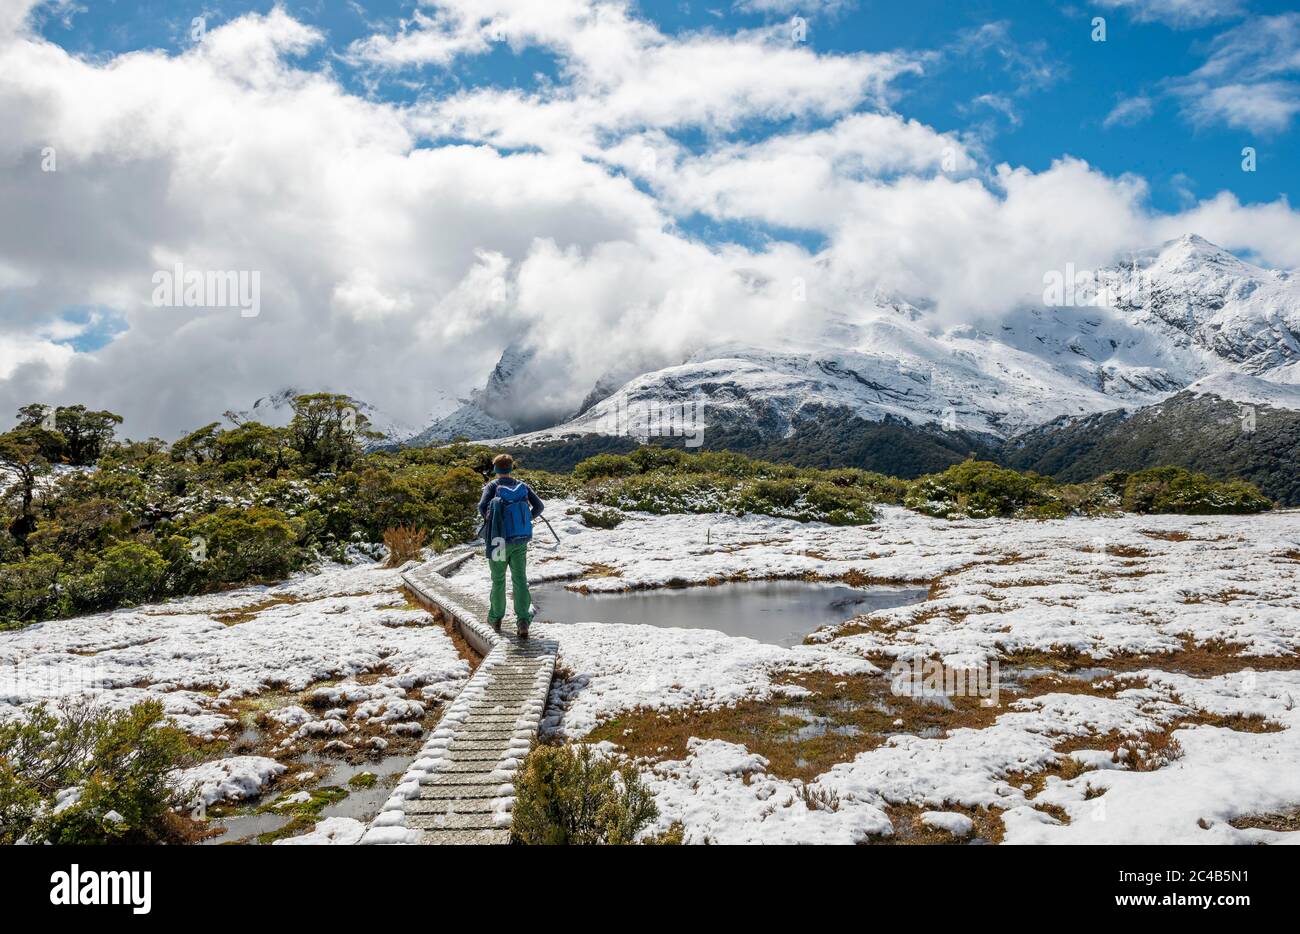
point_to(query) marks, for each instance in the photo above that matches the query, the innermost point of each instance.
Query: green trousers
(516, 557)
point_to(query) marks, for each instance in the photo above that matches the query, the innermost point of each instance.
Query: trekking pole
(482, 530)
(556, 546)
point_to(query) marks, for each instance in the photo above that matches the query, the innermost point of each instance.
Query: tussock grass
(1287, 821)
(404, 543)
(909, 831)
(846, 715)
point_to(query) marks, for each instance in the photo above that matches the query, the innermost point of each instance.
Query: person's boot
(495, 624)
(521, 626)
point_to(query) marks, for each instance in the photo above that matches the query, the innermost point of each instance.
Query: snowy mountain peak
(503, 379)
(488, 412)
(1199, 298)
(1182, 312)
(1192, 254)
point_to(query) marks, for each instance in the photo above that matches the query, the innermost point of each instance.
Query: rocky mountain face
(1199, 297)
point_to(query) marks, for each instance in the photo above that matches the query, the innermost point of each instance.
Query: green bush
(730, 464)
(654, 458)
(650, 457)
(1095, 498)
(602, 518)
(839, 505)
(123, 575)
(247, 544)
(769, 495)
(806, 501)
(977, 490)
(663, 493)
(876, 487)
(381, 497)
(549, 485)
(787, 494)
(569, 795)
(455, 506)
(1176, 490)
(605, 466)
(27, 588)
(78, 524)
(120, 766)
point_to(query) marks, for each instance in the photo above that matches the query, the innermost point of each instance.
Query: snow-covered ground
(198, 655)
(1107, 589)
(333, 663)
(1213, 602)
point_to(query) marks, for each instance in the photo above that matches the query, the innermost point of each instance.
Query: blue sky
(1037, 88)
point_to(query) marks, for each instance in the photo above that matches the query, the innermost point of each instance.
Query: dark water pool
(776, 612)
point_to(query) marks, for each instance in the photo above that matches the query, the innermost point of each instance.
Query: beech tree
(327, 431)
(78, 436)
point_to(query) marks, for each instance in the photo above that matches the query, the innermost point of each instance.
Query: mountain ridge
(884, 386)
(1183, 312)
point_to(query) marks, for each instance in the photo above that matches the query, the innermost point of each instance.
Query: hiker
(508, 507)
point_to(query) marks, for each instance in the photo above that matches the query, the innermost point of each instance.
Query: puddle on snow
(775, 612)
(814, 725)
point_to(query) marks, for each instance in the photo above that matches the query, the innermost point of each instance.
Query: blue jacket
(490, 491)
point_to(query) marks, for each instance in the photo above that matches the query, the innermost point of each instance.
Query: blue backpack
(516, 514)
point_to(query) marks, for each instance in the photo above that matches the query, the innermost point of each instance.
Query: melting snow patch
(722, 794)
(332, 831)
(959, 825)
(232, 779)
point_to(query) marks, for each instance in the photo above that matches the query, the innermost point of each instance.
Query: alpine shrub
(85, 774)
(570, 795)
(1176, 490)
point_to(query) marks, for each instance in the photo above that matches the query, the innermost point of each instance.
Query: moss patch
(302, 814)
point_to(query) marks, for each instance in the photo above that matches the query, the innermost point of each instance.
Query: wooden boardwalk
(460, 789)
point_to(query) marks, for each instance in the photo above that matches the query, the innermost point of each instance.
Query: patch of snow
(233, 779)
(290, 716)
(620, 667)
(1241, 387)
(959, 825)
(332, 831)
(722, 794)
(1221, 775)
(338, 622)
